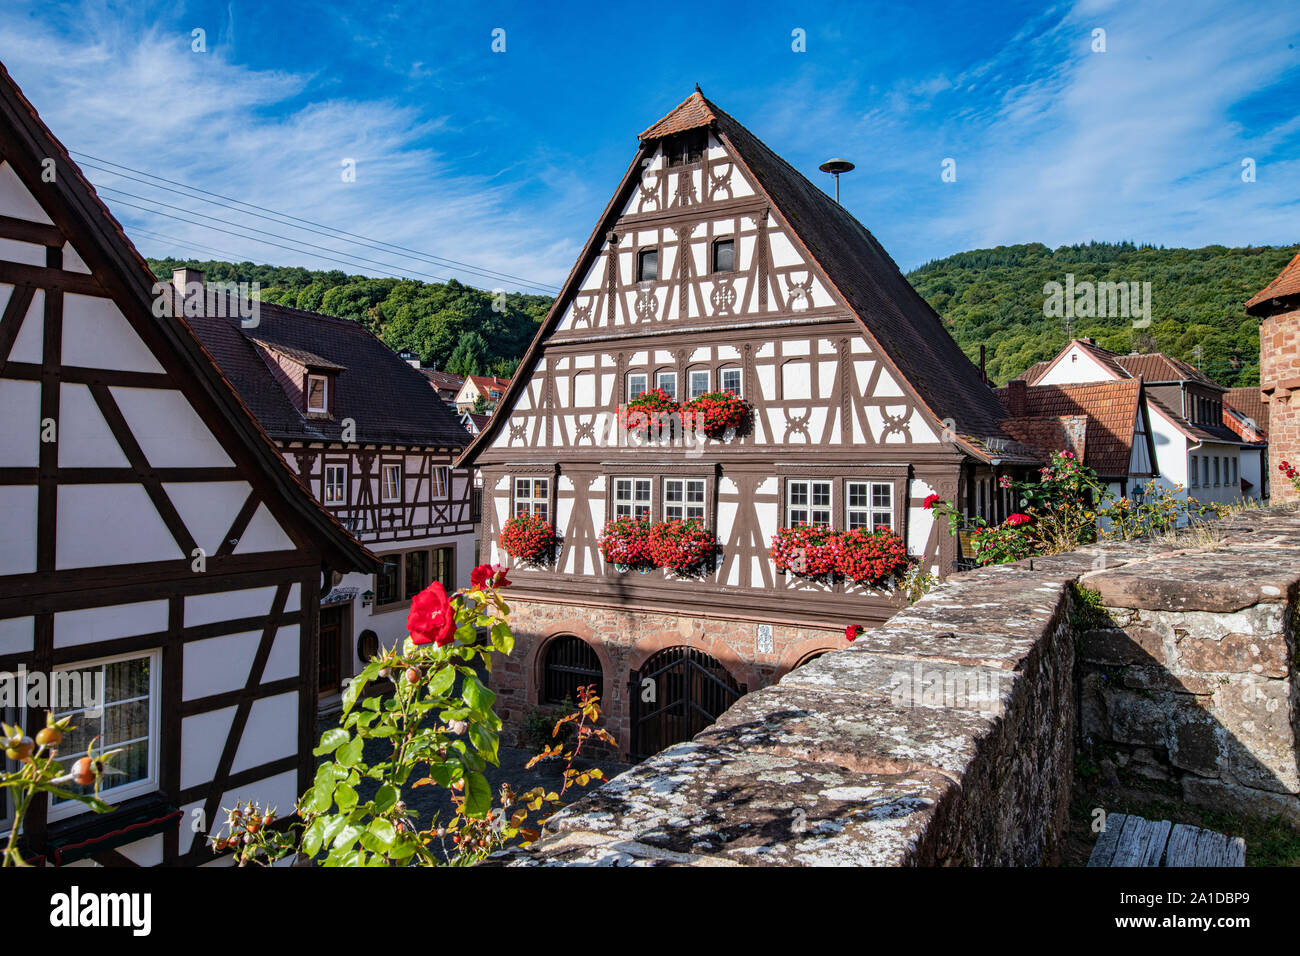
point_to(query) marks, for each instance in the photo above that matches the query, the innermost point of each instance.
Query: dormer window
(686, 147)
(647, 265)
(318, 399)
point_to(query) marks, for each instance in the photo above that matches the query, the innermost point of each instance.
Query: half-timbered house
(151, 536)
(717, 266)
(375, 444)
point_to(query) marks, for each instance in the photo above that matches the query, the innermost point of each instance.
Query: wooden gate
(677, 693)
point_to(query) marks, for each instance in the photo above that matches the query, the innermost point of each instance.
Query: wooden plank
(24, 230)
(1182, 845)
(1132, 847)
(16, 273)
(1236, 852)
(1211, 848)
(1156, 845)
(1103, 851)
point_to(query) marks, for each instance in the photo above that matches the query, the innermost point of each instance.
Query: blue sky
(505, 160)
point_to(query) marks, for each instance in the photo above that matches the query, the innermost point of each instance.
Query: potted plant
(716, 412)
(625, 543)
(528, 538)
(681, 546)
(870, 557)
(805, 549)
(650, 413)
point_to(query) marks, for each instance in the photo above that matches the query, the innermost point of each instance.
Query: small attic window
(724, 255)
(318, 394)
(686, 147)
(647, 265)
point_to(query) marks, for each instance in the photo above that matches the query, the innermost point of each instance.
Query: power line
(331, 231)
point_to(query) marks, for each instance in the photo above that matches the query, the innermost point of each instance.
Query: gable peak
(692, 113)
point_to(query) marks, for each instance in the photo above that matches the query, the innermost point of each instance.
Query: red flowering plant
(528, 537)
(625, 543)
(851, 632)
(433, 726)
(1292, 474)
(805, 549)
(871, 557)
(652, 413)
(681, 546)
(715, 412)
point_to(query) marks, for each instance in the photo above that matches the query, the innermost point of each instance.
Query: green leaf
(485, 740)
(442, 680)
(383, 833)
(502, 637)
(315, 836)
(385, 797)
(478, 795)
(349, 754)
(346, 797)
(319, 798)
(476, 695)
(348, 836)
(330, 741)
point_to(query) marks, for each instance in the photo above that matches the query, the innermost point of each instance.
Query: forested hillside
(995, 297)
(449, 325)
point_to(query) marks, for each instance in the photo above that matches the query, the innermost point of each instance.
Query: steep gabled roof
(911, 335)
(76, 208)
(1286, 284)
(1157, 367)
(1103, 357)
(442, 380)
(390, 402)
(1111, 410)
(1249, 402)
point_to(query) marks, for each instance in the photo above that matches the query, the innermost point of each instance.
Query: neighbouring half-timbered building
(151, 536)
(717, 267)
(375, 444)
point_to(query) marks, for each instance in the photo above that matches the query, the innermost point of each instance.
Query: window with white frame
(699, 382)
(317, 393)
(632, 497)
(336, 484)
(870, 504)
(808, 502)
(391, 482)
(729, 381)
(438, 482)
(668, 382)
(533, 497)
(636, 385)
(684, 498)
(116, 700)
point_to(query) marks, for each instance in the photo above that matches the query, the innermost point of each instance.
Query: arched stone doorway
(675, 694)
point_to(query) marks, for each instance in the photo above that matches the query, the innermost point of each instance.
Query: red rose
(929, 503)
(852, 631)
(480, 576)
(432, 619)
(1018, 518)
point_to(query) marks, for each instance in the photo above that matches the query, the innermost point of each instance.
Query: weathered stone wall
(1191, 684)
(947, 735)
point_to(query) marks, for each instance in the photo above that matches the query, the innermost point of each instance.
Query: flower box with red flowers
(651, 413)
(625, 543)
(528, 538)
(804, 549)
(681, 546)
(870, 557)
(715, 412)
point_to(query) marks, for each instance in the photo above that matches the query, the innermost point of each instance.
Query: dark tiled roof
(302, 356)
(908, 330)
(1111, 410)
(1030, 375)
(1250, 403)
(1159, 367)
(390, 402)
(443, 381)
(1286, 284)
(1215, 433)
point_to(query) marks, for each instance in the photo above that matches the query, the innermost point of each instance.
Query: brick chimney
(1017, 398)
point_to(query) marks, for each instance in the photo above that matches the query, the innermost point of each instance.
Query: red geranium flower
(929, 501)
(1018, 518)
(432, 619)
(852, 631)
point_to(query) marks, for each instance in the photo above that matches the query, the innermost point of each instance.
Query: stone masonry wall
(1279, 376)
(947, 735)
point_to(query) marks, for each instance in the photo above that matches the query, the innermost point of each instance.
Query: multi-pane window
(391, 489)
(317, 393)
(870, 504)
(336, 483)
(668, 382)
(729, 380)
(724, 255)
(808, 502)
(647, 265)
(684, 498)
(533, 497)
(699, 382)
(403, 576)
(115, 700)
(636, 385)
(632, 497)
